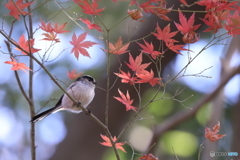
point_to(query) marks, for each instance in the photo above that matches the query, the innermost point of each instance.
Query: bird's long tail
(44, 114)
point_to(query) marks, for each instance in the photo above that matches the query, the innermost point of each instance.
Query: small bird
(82, 90)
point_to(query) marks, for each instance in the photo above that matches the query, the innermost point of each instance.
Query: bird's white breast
(81, 92)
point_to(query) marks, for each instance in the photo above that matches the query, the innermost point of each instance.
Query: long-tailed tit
(82, 90)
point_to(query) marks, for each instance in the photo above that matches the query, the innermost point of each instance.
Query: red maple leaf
(91, 25)
(89, 8)
(136, 65)
(148, 77)
(16, 11)
(126, 77)
(79, 45)
(176, 48)
(73, 74)
(148, 157)
(212, 135)
(27, 45)
(109, 144)
(165, 34)
(126, 100)
(118, 48)
(149, 49)
(18, 66)
(185, 25)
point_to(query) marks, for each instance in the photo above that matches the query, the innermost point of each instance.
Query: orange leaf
(212, 135)
(135, 14)
(79, 45)
(148, 77)
(18, 66)
(108, 142)
(27, 45)
(135, 65)
(118, 48)
(126, 100)
(73, 75)
(16, 11)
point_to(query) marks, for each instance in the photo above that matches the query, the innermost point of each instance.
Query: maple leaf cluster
(52, 31)
(24, 46)
(140, 75)
(221, 14)
(166, 35)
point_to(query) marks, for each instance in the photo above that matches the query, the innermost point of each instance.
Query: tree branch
(186, 114)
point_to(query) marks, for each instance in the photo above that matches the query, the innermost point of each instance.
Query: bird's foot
(88, 112)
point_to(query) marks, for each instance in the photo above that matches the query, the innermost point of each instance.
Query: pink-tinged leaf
(79, 45)
(126, 100)
(136, 65)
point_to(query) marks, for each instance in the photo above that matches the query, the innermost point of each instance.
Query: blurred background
(170, 126)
